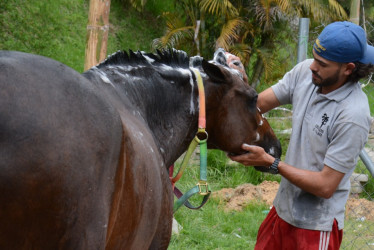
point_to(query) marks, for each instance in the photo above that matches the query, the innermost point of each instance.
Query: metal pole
(355, 12)
(367, 161)
(302, 48)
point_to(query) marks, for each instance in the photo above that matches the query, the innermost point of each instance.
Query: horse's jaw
(273, 151)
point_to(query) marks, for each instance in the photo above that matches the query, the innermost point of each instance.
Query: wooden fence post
(97, 32)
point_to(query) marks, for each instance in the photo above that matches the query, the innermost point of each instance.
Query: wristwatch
(273, 169)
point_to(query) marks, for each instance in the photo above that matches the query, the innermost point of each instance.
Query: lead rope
(200, 139)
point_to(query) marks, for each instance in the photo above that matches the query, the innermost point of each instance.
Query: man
(330, 125)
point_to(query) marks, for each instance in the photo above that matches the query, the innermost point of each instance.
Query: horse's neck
(168, 106)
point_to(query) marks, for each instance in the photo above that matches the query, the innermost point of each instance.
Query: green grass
(368, 191)
(369, 90)
(224, 173)
(57, 29)
(358, 234)
(133, 30)
(213, 228)
(48, 28)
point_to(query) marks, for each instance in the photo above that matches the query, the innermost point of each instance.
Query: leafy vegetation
(253, 30)
(57, 29)
(134, 30)
(48, 28)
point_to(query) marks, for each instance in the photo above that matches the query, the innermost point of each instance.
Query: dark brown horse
(84, 157)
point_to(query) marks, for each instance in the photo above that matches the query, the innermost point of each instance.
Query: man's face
(327, 74)
(327, 81)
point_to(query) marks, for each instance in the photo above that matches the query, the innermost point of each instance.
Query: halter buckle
(203, 187)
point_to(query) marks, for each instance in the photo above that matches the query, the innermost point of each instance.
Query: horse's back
(59, 148)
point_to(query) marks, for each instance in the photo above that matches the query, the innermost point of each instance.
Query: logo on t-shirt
(325, 119)
(318, 128)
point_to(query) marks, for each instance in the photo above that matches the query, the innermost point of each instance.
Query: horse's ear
(196, 61)
(213, 71)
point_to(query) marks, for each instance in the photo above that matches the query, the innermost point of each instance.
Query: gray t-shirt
(327, 130)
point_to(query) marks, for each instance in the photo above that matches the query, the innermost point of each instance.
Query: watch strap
(274, 167)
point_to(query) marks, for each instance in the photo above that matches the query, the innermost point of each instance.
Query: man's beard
(327, 81)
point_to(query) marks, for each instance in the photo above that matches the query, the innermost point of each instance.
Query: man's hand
(256, 156)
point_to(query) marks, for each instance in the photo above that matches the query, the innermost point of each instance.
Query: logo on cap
(318, 47)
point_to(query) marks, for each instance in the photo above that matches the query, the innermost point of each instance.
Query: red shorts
(276, 234)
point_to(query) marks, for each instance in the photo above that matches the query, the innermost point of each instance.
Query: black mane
(171, 57)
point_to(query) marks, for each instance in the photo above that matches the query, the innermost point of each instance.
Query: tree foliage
(256, 31)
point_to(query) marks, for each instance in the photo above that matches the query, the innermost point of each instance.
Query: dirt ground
(236, 199)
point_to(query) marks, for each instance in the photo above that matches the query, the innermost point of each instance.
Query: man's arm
(267, 100)
(322, 184)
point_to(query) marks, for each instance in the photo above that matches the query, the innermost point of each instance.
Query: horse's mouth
(236, 154)
(258, 168)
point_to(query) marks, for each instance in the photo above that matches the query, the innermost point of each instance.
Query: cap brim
(369, 55)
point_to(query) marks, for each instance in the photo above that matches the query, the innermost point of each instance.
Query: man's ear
(349, 68)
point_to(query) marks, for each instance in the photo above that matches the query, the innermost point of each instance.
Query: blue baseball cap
(344, 42)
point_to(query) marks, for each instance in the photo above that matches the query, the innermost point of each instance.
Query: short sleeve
(285, 87)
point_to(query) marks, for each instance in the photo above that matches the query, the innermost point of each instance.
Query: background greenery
(57, 28)
(263, 33)
(253, 30)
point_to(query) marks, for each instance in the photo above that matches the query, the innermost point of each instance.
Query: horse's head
(232, 115)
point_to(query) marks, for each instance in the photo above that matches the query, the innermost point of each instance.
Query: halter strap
(200, 139)
(201, 134)
(200, 86)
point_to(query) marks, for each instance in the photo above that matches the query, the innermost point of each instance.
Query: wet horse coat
(83, 157)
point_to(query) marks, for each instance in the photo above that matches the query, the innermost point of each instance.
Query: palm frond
(322, 10)
(173, 38)
(219, 7)
(229, 33)
(267, 12)
(266, 58)
(243, 51)
(248, 31)
(176, 32)
(138, 4)
(284, 5)
(337, 9)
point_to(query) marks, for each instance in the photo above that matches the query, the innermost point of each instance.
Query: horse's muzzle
(275, 151)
